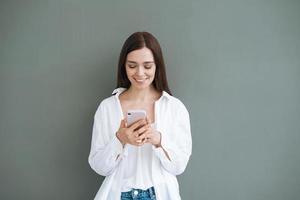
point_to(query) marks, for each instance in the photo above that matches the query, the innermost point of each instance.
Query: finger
(141, 137)
(133, 140)
(144, 127)
(136, 135)
(125, 120)
(148, 139)
(133, 135)
(148, 120)
(141, 130)
(122, 124)
(144, 135)
(137, 124)
(149, 126)
(137, 143)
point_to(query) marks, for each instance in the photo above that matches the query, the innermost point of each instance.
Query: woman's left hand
(151, 135)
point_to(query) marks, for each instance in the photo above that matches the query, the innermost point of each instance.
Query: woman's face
(140, 68)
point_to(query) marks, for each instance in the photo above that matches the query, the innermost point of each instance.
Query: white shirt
(108, 157)
(138, 173)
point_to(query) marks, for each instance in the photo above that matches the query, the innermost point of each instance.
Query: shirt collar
(118, 91)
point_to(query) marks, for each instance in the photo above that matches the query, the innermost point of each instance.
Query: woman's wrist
(159, 140)
(119, 138)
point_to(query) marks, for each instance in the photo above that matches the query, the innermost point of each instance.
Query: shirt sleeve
(177, 142)
(106, 149)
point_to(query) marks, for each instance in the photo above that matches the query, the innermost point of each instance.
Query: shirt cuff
(159, 152)
(163, 149)
(117, 146)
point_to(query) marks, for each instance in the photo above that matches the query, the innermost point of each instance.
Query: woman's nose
(140, 70)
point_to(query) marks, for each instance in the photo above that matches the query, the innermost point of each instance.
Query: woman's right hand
(130, 135)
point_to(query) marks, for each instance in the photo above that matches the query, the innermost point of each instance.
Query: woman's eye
(148, 66)
(131, 66)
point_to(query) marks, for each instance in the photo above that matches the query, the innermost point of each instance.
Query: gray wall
(235, 64)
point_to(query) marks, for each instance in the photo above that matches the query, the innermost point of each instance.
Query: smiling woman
(141, 161)
(140, 68)
(144, 47)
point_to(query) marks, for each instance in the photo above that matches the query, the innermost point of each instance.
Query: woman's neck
(142, 95)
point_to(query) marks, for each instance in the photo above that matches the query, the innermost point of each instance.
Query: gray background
(235, 64)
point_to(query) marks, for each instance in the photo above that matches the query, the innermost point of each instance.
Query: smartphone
(134, 116)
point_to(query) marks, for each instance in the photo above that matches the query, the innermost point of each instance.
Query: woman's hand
(133, 134)
(150, 135)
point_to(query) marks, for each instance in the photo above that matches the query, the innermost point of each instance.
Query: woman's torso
(139, 162)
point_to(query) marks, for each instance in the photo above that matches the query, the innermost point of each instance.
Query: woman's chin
(141, 86)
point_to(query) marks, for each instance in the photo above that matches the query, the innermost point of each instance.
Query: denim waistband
(138, 193)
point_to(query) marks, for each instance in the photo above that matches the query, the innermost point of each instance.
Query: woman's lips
(140, 80)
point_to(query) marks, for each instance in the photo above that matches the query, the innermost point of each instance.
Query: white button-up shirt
(138, 173)
(108, 157)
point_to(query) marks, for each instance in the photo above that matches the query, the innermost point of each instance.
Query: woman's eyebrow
(146, 62)
(131, 61)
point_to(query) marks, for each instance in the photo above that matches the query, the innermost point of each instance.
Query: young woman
(140, 161)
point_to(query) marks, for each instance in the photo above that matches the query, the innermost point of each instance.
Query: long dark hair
(136, 41)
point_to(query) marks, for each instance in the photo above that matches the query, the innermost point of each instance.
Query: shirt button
(135, 192)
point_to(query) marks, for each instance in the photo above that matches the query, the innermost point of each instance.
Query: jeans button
(135, 192)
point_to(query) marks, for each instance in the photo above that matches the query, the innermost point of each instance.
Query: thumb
(123, 124)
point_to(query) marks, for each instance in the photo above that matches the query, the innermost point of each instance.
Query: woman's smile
(140, 80)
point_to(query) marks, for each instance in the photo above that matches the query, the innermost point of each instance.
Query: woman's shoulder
(106, 102)
(104, 106)
(174, 100)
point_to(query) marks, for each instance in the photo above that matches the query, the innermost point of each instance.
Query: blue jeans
(138, 194)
